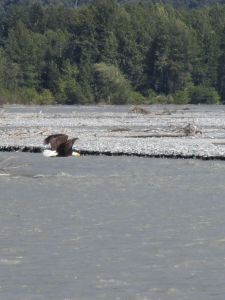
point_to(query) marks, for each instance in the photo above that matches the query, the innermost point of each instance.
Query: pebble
(119, 129)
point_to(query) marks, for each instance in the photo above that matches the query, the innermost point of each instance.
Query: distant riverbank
(157, 131)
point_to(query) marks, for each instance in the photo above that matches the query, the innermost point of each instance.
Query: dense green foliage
(76, 3)
(111, 53)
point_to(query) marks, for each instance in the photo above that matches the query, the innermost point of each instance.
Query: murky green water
(111, 228)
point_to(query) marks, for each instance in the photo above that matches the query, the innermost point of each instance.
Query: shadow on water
(98, 227)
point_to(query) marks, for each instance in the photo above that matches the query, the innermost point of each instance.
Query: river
(98, 227)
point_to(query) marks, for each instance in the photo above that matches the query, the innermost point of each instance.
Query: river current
(98, 227)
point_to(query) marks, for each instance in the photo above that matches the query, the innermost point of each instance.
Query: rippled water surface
(111, 228)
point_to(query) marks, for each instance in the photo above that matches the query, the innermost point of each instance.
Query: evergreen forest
(112, 52)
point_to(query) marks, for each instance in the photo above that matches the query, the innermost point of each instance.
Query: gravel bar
(154, 131)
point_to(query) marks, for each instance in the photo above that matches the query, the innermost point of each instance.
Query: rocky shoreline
(152, 131)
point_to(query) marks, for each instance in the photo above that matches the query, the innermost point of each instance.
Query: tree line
(190, 4)
(104, 52)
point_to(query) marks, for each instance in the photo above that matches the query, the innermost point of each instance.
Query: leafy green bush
(26, 96)
(111, 85)
(162, 99)
(67, 85)
(203, 94)
(45, 97)
(181, 97)
(136, 98)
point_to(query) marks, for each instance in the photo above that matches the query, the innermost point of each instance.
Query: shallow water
(107, 108)
(111, 228)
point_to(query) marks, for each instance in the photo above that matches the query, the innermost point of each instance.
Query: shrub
(203, 94)
(26, 96)
(45, 97)
(181, 97)
(162, 99)
(111, 85)
(136, 98)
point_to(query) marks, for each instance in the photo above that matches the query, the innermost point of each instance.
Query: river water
(98, 227)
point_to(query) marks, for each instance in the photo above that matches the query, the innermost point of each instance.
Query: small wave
(5, 261)
(61, 174)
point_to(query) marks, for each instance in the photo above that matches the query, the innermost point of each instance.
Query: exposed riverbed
(118, 129)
